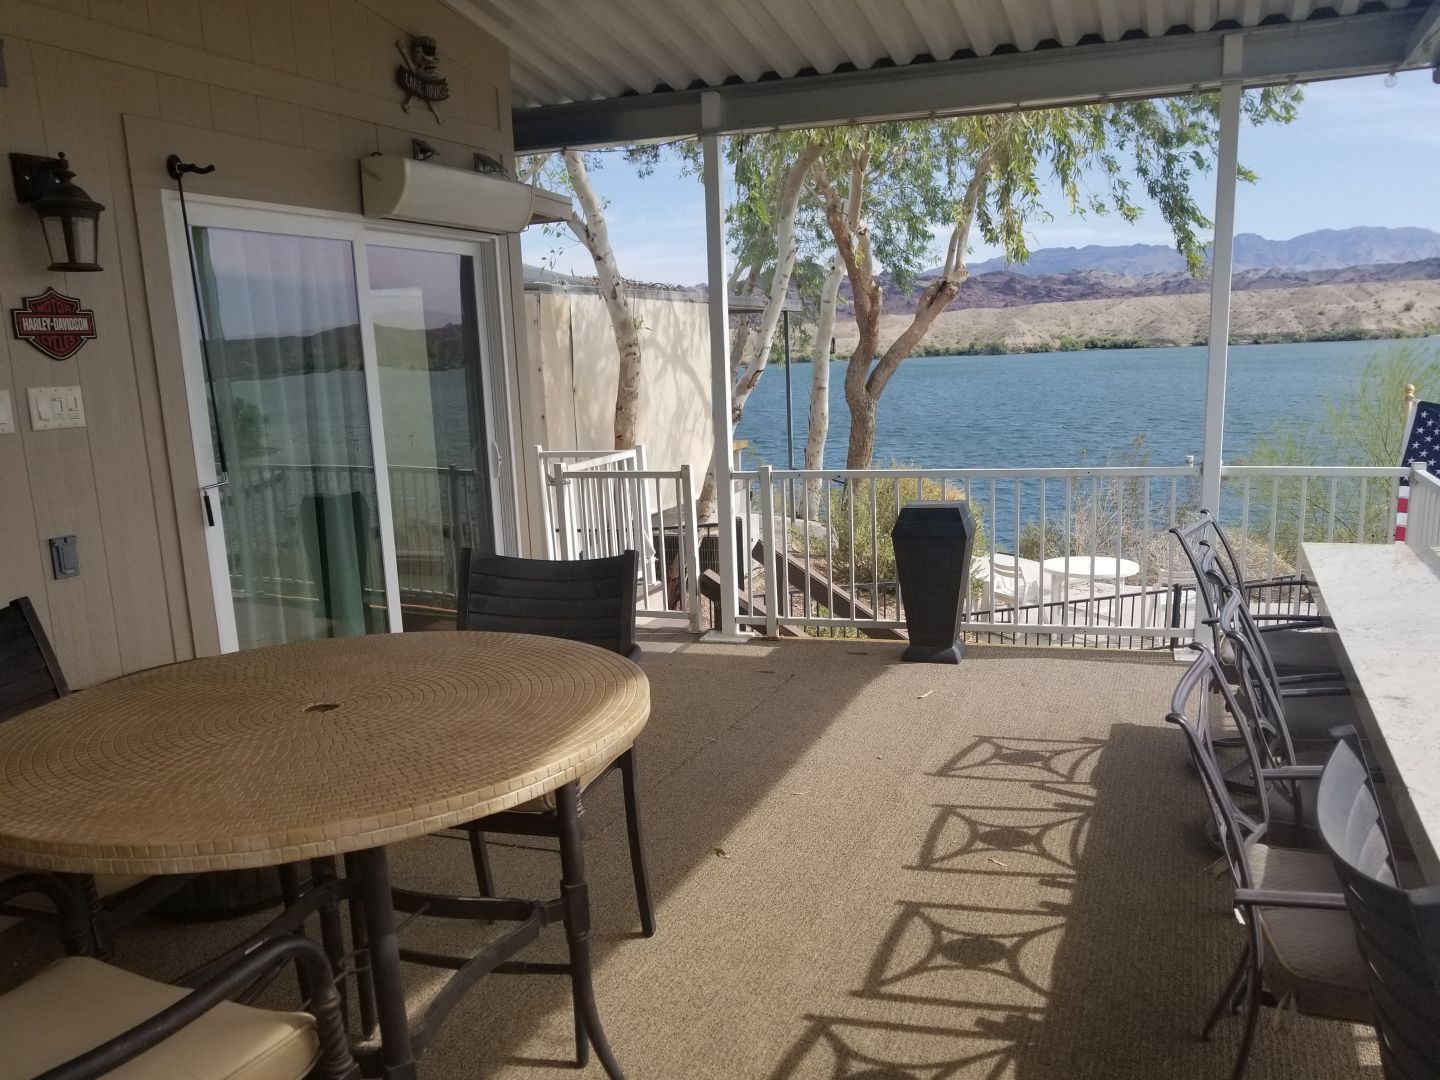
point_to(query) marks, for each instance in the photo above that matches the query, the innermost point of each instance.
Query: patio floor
(873, 870)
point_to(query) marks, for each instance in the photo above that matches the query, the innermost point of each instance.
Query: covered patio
(863, 870)
(868, 869)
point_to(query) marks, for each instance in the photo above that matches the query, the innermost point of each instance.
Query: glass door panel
(291, 434)
(427, 347)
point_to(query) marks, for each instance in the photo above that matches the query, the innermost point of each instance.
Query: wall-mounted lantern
(70, 218)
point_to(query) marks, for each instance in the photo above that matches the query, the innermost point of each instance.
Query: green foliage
(1363, 425)
(864, 511)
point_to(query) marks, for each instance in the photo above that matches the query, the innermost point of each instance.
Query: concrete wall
(282, 96)
(574, 366)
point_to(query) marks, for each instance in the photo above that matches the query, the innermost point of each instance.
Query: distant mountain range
(1324, 249)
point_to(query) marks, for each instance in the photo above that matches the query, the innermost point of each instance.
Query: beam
(721, 393)
(1335, 47)
(1223, 246)
(1423, 47)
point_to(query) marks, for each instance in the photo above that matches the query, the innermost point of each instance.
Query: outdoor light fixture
(70, 218)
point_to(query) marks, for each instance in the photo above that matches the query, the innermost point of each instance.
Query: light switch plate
(56, 407)
(7, 414)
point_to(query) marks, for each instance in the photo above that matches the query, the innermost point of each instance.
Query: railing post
(1417, 504)
(453, 476)
(690, 545)
(774, 584)
(646, 524)
(557, 542)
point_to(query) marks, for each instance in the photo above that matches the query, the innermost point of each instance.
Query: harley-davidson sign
(54, 323)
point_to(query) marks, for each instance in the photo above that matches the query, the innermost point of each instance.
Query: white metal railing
(1065, 556)
(599, 504)
(1075, 556)
(1422, 519)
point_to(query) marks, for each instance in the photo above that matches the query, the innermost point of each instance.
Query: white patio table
(1081, 568)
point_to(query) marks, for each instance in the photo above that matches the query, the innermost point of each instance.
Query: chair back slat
(587, 600)
(29, 671)
(1398, 930)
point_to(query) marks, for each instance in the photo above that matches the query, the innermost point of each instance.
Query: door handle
(205, 490)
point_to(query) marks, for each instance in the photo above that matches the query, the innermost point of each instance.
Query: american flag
(1422, 443)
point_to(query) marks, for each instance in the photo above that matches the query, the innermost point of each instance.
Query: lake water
(1055, 409)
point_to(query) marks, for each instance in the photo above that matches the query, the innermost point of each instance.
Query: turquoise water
(1056, 409)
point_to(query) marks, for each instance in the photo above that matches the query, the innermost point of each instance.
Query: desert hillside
(1340, 309)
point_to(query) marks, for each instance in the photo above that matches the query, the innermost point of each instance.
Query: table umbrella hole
(323, 706)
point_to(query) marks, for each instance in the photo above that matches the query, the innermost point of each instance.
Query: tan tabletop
(275, 755)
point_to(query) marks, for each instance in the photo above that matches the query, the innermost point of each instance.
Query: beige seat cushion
(78, 1003)
(1311, 954)
(546, 803)
(106, 884)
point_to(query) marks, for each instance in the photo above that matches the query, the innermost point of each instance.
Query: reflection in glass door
(427, 348)
(291, 436)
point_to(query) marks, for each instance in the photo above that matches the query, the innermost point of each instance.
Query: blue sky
(1360, 153)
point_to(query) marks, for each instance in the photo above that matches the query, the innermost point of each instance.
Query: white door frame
(211, 211)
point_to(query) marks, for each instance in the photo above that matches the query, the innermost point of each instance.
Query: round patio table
(296, 752)
(1082, 566)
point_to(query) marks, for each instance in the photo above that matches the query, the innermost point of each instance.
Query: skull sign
(418, 74)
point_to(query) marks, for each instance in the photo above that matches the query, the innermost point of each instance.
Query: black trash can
(933, 544)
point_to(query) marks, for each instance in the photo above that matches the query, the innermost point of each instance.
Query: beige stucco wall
(282, 96)
(574, 367)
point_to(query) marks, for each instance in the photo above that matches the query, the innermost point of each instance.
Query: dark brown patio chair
(1398, 930)
(1299, 952)
(30, 676)
(83, 1018)
(585, 600)
(29, 672)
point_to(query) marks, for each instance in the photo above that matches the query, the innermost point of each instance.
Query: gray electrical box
(64, 556)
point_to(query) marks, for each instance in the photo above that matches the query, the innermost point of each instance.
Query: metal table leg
(575, 895)
(397, 1059)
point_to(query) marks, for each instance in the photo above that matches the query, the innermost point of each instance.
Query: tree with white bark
(588, 224)
(883, 186)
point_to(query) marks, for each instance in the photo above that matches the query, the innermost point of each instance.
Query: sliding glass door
(337, 380)
(427, 346)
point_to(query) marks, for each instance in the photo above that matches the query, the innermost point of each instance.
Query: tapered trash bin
(933, 542)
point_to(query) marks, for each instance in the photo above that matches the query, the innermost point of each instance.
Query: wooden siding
(283, 95)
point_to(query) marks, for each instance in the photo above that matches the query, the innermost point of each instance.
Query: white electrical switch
(7, 415)
(56, 407)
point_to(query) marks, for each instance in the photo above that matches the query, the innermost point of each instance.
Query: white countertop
(1384, 600)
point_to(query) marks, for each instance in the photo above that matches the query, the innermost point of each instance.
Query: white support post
(1221, 252)
(1222, 249)
(727, 610)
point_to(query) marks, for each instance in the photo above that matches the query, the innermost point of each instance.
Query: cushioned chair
(1397, 930)
(1298, 952)
(30, 676)
(585, 600)
(83, 1018)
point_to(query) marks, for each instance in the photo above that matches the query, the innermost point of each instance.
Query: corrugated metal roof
(586, 50)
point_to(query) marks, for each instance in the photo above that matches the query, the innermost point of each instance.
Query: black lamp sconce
(70, 218)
